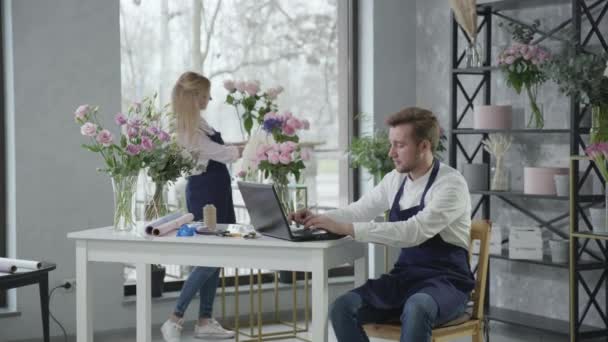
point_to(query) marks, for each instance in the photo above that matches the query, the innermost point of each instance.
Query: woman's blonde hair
(184, 100)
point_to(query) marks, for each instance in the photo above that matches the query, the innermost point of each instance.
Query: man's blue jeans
(420, 313)
(206, 280)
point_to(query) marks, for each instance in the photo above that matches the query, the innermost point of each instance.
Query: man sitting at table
(429, 219)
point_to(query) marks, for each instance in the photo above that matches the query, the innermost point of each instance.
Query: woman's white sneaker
(172, 331)
(212, 330)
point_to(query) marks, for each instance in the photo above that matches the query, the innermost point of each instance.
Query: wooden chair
(471, 322)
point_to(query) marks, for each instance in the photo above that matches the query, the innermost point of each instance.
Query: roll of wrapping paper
(170, 226)
(33, 265)
(6, 268)
(161, 221)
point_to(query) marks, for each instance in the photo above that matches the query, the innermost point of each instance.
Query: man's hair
(426, 126)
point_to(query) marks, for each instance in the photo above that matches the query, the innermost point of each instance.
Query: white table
(105, 245)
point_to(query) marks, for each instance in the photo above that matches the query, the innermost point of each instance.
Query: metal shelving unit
(582, 10)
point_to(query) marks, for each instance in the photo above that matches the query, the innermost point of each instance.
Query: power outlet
(69, 285)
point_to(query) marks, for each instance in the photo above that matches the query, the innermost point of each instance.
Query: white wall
(387, 75)
(64, 53)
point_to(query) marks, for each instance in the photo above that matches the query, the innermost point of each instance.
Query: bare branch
(260, 62)
(210, 32)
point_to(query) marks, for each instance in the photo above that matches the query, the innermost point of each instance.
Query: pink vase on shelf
(493, 117)
(540, 180)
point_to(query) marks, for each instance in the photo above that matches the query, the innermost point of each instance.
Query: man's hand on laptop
(300, 216)
(324, 222)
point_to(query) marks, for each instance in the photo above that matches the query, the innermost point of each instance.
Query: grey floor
(498, 333)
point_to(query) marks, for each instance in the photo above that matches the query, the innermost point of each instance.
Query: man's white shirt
(447, 210)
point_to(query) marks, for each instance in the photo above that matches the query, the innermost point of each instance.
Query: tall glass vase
(124, 188)
(473, 55)
(500, 176)
(599, 123)
(536, 117)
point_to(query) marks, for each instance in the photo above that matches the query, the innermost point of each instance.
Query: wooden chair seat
(470, 322)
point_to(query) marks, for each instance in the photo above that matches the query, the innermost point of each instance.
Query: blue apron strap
(431, 180)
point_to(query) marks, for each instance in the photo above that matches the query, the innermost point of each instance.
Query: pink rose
(164, 136)
(306, 154)
(252, 88)
(133, 150)
(509, 60)
(288, 129)
(132, 131)
(230, 86)
(273, 157)
(147, 144)
(285, 158)
(88, 129)
(287, 147)
(120, 119)
(104, 137)
(305, 124)
(240, 86)
(295, 123)
(241, 174)
(81, 113)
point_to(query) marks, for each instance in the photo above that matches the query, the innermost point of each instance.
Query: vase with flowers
(250, 103)
(123, 156)
(522, 64)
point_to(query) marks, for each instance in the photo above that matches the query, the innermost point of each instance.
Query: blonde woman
(209, 185)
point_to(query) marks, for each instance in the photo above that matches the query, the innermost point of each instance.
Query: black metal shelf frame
(592, 12)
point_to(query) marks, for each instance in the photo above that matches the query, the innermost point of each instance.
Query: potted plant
(158, 280)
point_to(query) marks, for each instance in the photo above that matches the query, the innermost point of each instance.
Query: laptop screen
(264, 209)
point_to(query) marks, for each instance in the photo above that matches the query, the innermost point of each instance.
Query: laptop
(268, 217)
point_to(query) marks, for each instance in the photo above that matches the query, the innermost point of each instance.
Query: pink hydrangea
(80, 114)
(89, 129)
(104, 137)
(287, 147)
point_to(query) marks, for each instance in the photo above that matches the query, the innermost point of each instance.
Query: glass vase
(156, 205)
(284, 194)
(473, 55)
(536, 119)
(500, 176)
(599, 124)
(124, 188)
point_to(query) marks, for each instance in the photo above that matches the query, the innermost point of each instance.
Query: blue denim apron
(211, 187)
(434, 267)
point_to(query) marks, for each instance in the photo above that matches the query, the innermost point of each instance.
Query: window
(290, 43)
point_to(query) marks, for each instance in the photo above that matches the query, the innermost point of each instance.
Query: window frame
(3, 223)
(347, 109)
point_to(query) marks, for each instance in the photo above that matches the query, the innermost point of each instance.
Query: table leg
(320, 299)
(84, 309)
(144, 303)
(43, 285)
(360, 271)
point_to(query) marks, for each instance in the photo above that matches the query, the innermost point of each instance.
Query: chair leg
(478, 335)
(44, 305)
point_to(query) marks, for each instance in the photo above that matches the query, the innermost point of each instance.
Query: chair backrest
(480, 230)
